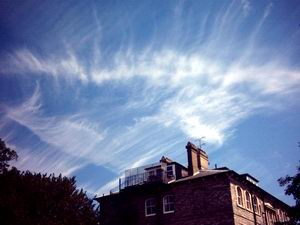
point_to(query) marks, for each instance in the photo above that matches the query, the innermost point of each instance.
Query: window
(248, 200)
(271, 216)
(285, 217)
(259, 208)
(150, 207)
(279, 215)
(170, 171)
(168, 202)
(255, 205)
(239, 196)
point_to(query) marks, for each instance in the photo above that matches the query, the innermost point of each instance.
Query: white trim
(169, 212)
(237, 196)
(146, 207)
(250, 201)
(257, 211)
(173, 175)
(165, 203)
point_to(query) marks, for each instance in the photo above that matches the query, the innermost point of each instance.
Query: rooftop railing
(142, 178)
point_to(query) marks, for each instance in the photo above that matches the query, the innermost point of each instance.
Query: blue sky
(90, 88)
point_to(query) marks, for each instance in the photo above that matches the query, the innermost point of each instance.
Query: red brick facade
(198, 201)
(264, 208)
(209, 197)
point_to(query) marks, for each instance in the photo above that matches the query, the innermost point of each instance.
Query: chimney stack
(197, 159)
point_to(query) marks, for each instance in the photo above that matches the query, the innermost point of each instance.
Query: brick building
(167, 193)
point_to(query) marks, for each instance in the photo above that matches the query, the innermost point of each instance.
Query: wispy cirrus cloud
(199, 74)
(246, 6)
(24, 61)
(74, 139)
(205, 90)
(72, 135)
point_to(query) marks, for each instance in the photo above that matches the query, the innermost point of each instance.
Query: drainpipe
(159, 212)
(265, 213)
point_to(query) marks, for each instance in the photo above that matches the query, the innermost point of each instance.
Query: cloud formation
(205, 90)
(195, 74)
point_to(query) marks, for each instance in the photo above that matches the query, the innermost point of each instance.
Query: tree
(292, 184)
(39, 199)
(6, 154)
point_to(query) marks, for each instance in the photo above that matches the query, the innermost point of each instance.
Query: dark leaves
(6, 155)
(292, 184)
(33, 198)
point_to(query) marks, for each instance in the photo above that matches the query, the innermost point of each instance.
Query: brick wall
(245, 216)
(202, 201)
(210, 200)
(242, 215)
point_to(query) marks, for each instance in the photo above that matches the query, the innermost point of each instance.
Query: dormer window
(170, 172)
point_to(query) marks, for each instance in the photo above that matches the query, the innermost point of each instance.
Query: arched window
(239, 196)
(150, 207)
(248, 201)
(168, 203)
(255, 204)
(280, 215)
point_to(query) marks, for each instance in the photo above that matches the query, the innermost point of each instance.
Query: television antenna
(201, 142)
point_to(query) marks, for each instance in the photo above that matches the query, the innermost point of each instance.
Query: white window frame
(168, 171)
(239, 197)
(150, 203)
(167, 203)
(248, 201)
(256, 205)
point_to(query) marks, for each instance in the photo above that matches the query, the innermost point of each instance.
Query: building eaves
(202, 174)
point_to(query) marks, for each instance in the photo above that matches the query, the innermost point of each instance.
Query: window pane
(150, 206)
(170, 171)
(248, 200)
(255, 204)
(168, 202)
(239, 196)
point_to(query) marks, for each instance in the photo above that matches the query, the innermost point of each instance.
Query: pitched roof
(166, 159)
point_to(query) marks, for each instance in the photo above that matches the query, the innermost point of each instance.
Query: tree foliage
(6, 155)
(292, 184)
(41, 199)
